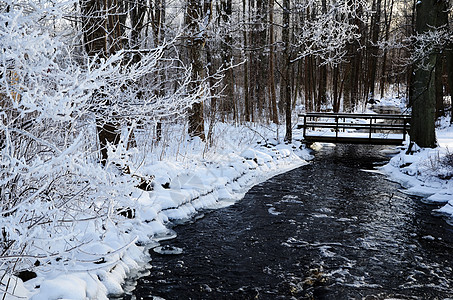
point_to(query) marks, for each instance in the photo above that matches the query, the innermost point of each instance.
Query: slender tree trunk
(374, 50)
(336, 94)
(246, 68)
(297, 80)
(213, 105)
(158, 25)
(253, 58)
(388, 22)
(449, 55)
(228, 103)
(322, 89)
(308, 84)
(273, 97)
(262, 65)
(286, 81)
(348, 70)
(347, 85)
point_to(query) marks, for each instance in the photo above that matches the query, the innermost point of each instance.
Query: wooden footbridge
(376, 129)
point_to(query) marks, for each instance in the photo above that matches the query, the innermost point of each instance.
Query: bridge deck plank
(353, 140)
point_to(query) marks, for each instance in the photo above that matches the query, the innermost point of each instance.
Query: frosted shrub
(447, 165)
(448, 159)
(54, 195)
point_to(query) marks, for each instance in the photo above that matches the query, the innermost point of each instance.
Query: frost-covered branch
(327, 35)
(53, 191)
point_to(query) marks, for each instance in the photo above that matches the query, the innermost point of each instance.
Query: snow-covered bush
(53, 192)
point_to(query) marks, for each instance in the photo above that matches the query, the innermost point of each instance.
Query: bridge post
(336, 127)
(305, 124)
(404, 129)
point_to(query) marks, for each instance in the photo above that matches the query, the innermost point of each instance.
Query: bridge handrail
(399, 123)
(356, 116)
(375, 126)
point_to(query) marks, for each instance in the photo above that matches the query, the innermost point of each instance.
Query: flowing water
(332, 229)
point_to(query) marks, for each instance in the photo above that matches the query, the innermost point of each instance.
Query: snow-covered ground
(186, 177)
(428, 172)
(424, 172)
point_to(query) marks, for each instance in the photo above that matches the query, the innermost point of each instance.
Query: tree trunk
(213, 104)
(424, 103)
(374, 50)
(273, 97)
(347, 83)
(195, 43)
(410, 75)
(449, 55)
(286, 81)
(424, 106)
(308, 85)
(102, 33)
(439, 87)
(262, 73)
(93, 27)
(336, 94)
(387, 21)
(322, 88)
(246, 69)
(228, 104)
(441, 22)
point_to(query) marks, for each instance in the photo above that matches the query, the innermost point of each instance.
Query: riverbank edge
(425, 173)
(204, 185)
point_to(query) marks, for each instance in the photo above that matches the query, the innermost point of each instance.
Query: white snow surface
(428, 172)
(188, 177)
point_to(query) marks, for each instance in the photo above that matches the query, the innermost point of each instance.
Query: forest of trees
(234, 61)
(256, 59)
(260, 59)
(78, 77)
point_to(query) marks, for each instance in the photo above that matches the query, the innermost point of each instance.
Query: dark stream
(327, 230)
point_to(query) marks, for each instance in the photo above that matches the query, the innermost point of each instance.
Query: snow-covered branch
(52, 187)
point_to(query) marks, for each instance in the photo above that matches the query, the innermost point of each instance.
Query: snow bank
(185, 180)
(428, 172)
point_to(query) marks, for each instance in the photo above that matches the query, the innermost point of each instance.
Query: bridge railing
(361, 123)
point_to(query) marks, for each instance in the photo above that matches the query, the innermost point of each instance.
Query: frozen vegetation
(79, 211)
(89, 257)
